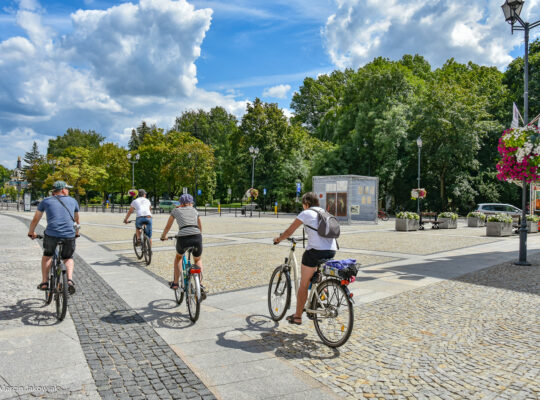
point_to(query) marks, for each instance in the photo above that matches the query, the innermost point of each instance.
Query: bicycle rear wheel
(335, 323)
(137, 248)
(61, 296)
(279, 293)
(192, 300)
(147, 250)
(384, 216)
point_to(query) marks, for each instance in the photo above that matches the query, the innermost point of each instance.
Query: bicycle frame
(186, 272)
(292, 262)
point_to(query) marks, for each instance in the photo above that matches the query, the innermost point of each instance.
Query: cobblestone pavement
(475, 337)
(126, 357)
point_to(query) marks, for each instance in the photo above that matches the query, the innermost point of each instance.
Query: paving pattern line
(126, 356)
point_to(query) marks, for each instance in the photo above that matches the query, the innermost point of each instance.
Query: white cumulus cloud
(115, 68)
(361, 30)
(279, 91)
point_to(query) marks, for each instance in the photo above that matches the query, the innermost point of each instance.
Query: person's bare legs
(177, 267)
(301, 296)
(45, 266)
(69, 267)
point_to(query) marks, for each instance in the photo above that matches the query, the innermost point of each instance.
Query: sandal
(291, 319)
(43, 286)
(71, 286)
(173, 285)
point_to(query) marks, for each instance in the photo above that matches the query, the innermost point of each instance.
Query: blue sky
(108, 65)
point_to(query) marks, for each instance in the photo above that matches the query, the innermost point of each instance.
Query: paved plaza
(439, 314)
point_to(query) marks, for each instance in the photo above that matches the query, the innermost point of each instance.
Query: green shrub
(533, 218)
(477, 214)
(500, 218)
(408, 215)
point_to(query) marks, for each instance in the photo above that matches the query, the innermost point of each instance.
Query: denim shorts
(148, 228)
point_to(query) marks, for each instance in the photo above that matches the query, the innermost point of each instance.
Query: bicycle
(329, 299)
(382, 215)
(144, 249)
(189, 283)
(57, 285)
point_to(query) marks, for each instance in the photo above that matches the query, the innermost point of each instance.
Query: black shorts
(49, 244)
(312, 257)
(195, 241)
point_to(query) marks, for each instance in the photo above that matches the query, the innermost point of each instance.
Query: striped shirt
(187, 218)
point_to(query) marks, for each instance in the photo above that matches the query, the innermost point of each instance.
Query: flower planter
(532, 227)
(499, 229)
(407, 224)
(447, 223)
(475, 222)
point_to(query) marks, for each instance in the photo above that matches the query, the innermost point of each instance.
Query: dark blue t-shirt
(59, 222)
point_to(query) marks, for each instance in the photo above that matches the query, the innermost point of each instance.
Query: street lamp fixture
(133, 162)
(512, 10)
(419, 144)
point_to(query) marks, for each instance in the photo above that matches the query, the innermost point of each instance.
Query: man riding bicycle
(62, 225)
(142, 206)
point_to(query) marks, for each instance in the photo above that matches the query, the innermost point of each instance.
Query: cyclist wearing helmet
(189, 235)
(142, 207)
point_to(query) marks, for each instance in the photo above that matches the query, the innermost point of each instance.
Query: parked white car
(498, 208)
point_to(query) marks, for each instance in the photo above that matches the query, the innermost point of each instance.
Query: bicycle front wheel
(192, 300)
(279, 293)
(137, 248)
(334, 318)
(61, 296)
(384, 217)
(147, 250)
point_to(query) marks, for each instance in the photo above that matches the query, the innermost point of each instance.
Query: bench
(428, 217)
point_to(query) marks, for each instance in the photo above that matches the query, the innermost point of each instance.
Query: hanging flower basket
(520, 154)
(418, 194)
(132, 192)
(252, 193)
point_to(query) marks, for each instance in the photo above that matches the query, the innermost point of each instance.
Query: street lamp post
(53, 163)
(196, 176)
(511, 10)
(369, 158)
(419, 144)
(137, 156)
(254, 151)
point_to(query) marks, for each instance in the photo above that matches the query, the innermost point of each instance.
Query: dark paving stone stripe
(126, 356)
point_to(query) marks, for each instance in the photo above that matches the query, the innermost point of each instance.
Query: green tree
(214, 128)
(513, 79)
(74, 138)
(75, 167)
(114, 159)
(36, 170)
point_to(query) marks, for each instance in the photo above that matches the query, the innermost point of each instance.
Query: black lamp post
(369, 158)
(133, 167)
(511, 10)
(254, 151)
(196, 193)
(419, 144)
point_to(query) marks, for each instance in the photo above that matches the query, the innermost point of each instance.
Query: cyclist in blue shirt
(62, 224)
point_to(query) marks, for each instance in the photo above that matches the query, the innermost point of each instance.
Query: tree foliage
(74, 138)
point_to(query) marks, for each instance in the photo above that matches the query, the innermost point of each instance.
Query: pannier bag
(343, 269)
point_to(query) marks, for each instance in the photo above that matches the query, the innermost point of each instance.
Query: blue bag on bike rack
(344, 269)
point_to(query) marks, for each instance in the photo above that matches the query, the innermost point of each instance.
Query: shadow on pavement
(158, 314)
(285, 344)
(30, 312)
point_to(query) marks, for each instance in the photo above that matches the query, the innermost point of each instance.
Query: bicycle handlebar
(169, 238)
